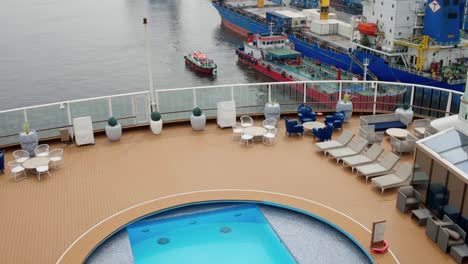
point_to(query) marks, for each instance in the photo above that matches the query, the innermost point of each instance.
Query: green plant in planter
(112, 122)
(197, 111)
(346, 98)
(26, 128)
(406, 107)
(155, 116)
(274, 101)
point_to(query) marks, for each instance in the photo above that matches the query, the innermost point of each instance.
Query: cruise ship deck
(108, 184)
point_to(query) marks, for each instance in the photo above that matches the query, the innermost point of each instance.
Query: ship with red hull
(200, 62)
(272, 55)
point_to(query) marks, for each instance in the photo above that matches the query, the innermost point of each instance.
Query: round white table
(255, 131)
(35, 162)
(311, 125)
(397, 132)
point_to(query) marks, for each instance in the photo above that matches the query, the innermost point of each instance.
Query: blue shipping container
(280, 22)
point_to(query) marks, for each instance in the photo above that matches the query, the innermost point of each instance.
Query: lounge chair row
(367, 163)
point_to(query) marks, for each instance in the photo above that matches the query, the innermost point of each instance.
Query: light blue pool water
(233, 235)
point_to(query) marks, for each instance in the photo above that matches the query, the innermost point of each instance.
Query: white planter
(198, 122)
(408, 113)
(156, 126)
(29, 141)
(272, 110)
(347, 108)
(114, 133)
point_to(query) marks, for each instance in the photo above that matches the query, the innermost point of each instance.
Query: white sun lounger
(353, 148)
(341, 141)
(369, 156)
(401, 177)
(378, 168)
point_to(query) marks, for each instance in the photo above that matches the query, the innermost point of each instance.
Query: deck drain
(163, 241)
(146, 230)
(225, 230)
(238, 214)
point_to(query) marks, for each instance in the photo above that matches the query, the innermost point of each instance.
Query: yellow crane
(324, 7)
(421, 44)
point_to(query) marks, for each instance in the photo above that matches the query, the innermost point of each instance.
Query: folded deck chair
(369, 156)
(83, 130)
(341, 141)
(378, 168)
(353, 148)
(401, 177)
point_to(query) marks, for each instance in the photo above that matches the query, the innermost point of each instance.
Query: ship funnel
(260, 3)
(324, 6)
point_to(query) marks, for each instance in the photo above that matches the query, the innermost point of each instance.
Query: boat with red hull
(271, 55)
(200, 62)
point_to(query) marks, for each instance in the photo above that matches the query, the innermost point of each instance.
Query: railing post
(412, 95)
(305, 93)
(340, 90)
(374, 108)
(25, 114)
(156, 95)
(269, 93)
(69, 113)
(194, 98)
(109, 105)
(232, 93)
(449, 104)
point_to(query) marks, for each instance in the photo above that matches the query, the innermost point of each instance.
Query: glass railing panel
(289, 96)
(142, 108)
(251, 99)
(176, 104)
(208, 98)
(49, 119)
(322, 96)
(362, 95)
(10, 124)
(122, 109)
(392, 96)
(97, 109)
(433, 103)
(455, 106)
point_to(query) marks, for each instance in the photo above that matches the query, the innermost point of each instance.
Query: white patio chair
(237, 131)
(42, 170)
(368, 133)
(16, 169)
(56, 158)
(403, 145)
(270, 136)
(246, 121)
(269, 123)
(419, 127)
(21, 155)
(42, 150)
(247, 140)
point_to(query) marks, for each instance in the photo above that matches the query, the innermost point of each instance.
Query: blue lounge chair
(323, 134)
(305, 114)
(292, 127)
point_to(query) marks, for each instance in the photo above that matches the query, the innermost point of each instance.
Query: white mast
(148, 63)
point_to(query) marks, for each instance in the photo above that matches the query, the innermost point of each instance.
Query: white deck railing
(133, 109)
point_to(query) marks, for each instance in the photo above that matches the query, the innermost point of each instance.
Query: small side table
(460, 253)
(421, 215)
(319, 115)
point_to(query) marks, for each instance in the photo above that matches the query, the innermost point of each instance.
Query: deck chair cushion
(452, 234)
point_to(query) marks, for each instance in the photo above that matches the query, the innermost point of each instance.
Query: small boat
(201, 63)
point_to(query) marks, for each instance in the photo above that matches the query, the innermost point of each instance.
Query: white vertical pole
(156, 93)
(109, 105)
(25, 114)
(194, 98)
(304, 99)
(269, 93)
(69, 114)
(449, 104)
(374, 107)
(412, 96)
(366, 63)
(148, 63)
(232, 93)
(340, 90)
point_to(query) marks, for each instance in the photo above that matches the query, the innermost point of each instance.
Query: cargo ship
(272, 55)
(200, 62)
(400, 41)
(353, 7)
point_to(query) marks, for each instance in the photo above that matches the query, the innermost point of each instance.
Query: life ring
(381, 250)
(214, 71)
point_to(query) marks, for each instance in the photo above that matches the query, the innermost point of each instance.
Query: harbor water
(55, 50)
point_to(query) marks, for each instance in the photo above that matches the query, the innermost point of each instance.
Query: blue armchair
(2, 161)
(336, 120)
(292, 127)
(323, 134)
(305, 113)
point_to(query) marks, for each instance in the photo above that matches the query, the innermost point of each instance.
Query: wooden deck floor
(40, 220)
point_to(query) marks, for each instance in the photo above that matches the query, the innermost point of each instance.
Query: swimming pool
(234, 235)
